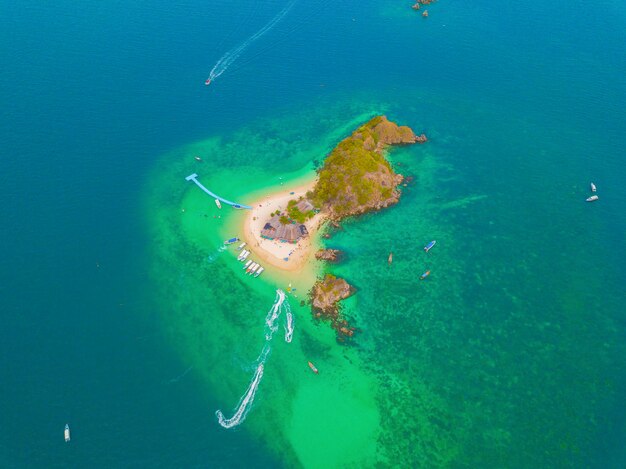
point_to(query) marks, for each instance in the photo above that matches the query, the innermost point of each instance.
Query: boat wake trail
(229, 57)
(245, 403)
(213, 257)
(273, 314)
(181, 376)
(288, 323)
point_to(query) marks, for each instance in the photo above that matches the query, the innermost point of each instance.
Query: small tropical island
(355, 178)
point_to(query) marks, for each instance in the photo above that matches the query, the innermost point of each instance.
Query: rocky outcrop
(325, 296)
(421, 138)
(356, 178)
(418, 3)
(331, 255)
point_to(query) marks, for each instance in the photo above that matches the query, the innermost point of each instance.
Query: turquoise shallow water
(121, 317)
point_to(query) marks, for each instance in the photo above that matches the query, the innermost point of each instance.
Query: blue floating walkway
(194, 178)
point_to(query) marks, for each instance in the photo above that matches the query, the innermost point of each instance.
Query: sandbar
(274, 252)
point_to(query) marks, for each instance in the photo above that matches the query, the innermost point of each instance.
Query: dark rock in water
(328, 291)
(331, 255)
(421, 138)
(325, 295)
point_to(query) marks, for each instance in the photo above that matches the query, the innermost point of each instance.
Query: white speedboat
(593, 198)
(254, 268)
(66, 433)
(218, 203)
(247, 264)
(593, 187)
(240, 247)
(258, 272)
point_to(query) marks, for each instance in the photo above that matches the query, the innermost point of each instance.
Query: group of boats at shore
(252, 268)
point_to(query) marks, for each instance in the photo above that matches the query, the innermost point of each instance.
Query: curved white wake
(245, 403)
(229, 57)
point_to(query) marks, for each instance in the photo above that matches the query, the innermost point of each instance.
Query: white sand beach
(271, 251)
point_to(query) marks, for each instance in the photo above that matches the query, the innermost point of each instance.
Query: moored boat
(258, 272)
(312, 366)
(218, 203)
(254, 269)
(66, 432)
(593, 198)
(231, 241)
(241, 255)
(247, 264)
(593, 187)
(197, 158)
(429, 246)
(240, 247)
(424, 275)
(390, 259)
(245, 256)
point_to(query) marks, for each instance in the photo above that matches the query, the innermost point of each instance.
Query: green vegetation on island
(296, 214)
(356, 177)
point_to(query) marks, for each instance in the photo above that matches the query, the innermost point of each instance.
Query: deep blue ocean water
(92, 95)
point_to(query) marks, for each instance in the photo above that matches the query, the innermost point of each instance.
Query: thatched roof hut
(289, 233)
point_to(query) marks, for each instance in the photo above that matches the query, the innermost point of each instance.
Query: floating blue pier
(194, 177)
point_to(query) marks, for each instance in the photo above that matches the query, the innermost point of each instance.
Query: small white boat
(593, 187)
(218, 203)
(66, 433)
(245, 256)
(247, 264)
(253, 269)
(593, 198)
(241, 255)
(240, 247)
(258, 272)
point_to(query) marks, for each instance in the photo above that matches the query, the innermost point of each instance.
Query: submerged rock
(331, 255)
